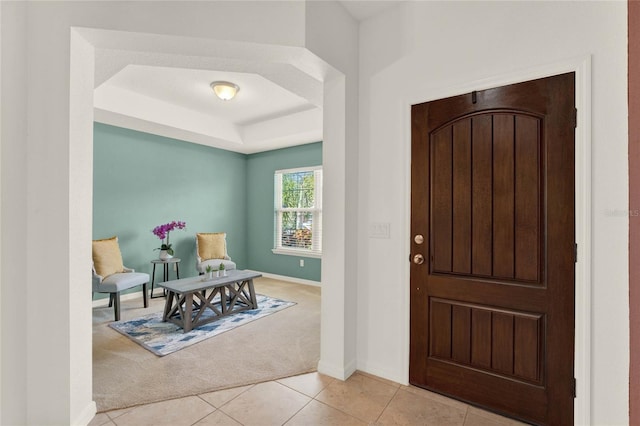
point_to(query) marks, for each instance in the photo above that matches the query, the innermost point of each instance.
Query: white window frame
(316, 211)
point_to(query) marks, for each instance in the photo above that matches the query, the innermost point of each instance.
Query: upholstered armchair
(211, 249)
(111, 276)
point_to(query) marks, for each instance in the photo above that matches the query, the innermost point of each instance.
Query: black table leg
(153, 280)
(166, 278)
(165, 273)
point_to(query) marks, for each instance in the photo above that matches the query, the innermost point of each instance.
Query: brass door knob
(418, 259)
(419, 239)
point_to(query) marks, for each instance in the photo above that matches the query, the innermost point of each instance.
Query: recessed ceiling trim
(124, 102)
(294, 69)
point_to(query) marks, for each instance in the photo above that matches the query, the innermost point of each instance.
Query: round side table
(165, 272)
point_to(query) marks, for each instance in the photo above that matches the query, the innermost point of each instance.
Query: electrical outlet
(302, 263)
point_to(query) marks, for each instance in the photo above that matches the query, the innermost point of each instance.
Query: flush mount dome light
(224, 89)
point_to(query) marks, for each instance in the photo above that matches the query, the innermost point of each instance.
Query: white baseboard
(290, 279)
(337, 371)
(382, 372)
(86, 415)
(138, 294)
(99, 303)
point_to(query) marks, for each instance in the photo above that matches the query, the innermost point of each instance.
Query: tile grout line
(206, 415)
(466, 413)
(387, 404)
(313, 398)
(335, 408)
(353, 415)
(301, 408)
(211, 405)
(233, 399)
(331, 406)
(340, 410)
(297, 391)
(289, 387)
(109, 421)
(231, 417)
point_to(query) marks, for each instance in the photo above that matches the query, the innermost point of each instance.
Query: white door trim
(582, 67)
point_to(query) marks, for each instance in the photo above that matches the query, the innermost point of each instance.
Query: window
(298, 212)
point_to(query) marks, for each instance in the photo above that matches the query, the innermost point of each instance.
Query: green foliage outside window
(297, 192)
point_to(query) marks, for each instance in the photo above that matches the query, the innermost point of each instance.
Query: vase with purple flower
(162, 232)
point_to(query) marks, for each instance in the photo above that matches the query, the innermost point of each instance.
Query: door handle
(418, 259)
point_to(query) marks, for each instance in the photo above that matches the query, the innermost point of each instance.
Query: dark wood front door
(492, 304)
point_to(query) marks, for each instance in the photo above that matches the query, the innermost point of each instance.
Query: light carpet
(276, 346)
(164, 338)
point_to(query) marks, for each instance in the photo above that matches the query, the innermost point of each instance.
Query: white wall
(407, 53)
(46, 178)
(421, 49)
(332, 34)
(14, 221)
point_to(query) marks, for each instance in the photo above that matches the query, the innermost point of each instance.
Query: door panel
(461, 160)
(481, 175)
(509, 343)
(442, 198)
(492, 318)
(527, 187)
(500, 178)
(503, 195)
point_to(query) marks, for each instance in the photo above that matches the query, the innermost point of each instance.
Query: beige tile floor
(309, 399)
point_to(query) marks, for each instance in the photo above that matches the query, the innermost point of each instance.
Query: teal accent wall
(260, 223)
(142, 180)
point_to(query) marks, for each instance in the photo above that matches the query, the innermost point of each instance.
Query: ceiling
(262, 116)
(273, 109)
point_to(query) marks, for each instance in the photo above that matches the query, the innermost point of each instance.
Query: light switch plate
(380, 230)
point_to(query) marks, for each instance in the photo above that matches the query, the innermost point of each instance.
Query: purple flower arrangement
(162, 232)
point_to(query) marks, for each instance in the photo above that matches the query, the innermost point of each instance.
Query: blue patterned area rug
(163, 338)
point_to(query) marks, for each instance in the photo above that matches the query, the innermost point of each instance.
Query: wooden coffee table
(192, 302)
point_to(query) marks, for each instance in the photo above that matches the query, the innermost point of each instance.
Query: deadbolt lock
(418, 259)
(419, 239)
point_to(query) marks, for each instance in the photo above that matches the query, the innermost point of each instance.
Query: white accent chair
(111, 276)
(202, 261)
(116, 283)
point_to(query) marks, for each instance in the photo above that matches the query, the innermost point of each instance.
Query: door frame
(582, 68)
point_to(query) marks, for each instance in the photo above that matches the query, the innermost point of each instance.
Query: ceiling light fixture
(224, 89)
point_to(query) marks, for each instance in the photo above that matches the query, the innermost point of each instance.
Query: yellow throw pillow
(212, 245)
(107, 258)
